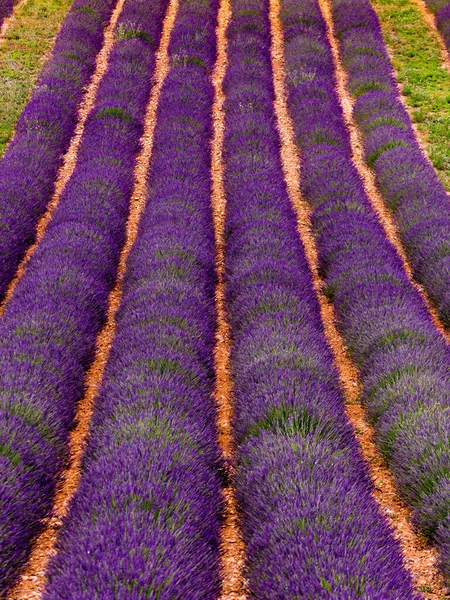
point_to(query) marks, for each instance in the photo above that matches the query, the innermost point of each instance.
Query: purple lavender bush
(311, 526)
(49, 327)
(405, 178)
(145, 520)
(441, 10)
(442, 19)
(30, 164)
(6, 8)
(403, 360)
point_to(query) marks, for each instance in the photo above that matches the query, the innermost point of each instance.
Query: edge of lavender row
(49, 328)
(441, 12)
(6, 9)
(403, 360)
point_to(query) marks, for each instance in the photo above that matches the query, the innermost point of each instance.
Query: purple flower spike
(29, 167)
(406, 179)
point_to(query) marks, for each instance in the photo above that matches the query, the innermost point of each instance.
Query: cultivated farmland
(225, 300)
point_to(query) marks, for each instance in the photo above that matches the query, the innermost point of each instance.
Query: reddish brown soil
(32, 582)
(232, 546)
(419, 558)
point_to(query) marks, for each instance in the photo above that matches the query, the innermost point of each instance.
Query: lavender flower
(29, 167)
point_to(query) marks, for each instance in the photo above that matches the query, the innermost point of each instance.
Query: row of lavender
(404, 361)
(311, 526)
(49, 327)
(441, 10)
(30, 164)
(6, 8)
(405, 178)
(145, 520)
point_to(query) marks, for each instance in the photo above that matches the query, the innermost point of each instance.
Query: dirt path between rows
(32, 582)
(70, 157)
(419, 558)
(232, 545)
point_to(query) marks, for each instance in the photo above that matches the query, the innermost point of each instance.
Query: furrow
(232, 546)
(49, 328)
(418, 556)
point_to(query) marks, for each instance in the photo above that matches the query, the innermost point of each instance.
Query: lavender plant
(403, 360)
(6, 8)
(29, 167)
(311, 526)
(49, 327)
(441, 10)
(145, 520)
(407, 181)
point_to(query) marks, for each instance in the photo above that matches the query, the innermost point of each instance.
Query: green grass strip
(29, 42)
(416, 56)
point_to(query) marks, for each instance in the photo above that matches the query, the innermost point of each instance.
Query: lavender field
(224, 310)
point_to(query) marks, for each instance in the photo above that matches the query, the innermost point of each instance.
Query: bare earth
(232, 545)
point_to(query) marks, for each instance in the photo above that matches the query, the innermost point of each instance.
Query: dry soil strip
(70, 158)
(31, 584)
(232, 545)
(9, 21)
(419, 558)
